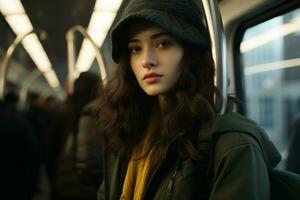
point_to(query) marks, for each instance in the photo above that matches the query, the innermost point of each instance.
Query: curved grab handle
(71, 57)
(25, 86)
(6, 58)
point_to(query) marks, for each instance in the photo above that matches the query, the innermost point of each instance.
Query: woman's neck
(161, 102)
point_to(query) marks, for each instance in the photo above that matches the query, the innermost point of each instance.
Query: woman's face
(155, 58)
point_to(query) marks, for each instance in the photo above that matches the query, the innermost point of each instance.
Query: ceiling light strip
(19, 22)
(102, 17)
(9, 7)
(35, 50)
(52, 78)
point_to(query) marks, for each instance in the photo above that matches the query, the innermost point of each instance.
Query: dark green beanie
(181, 18)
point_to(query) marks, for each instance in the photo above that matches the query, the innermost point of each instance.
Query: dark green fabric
(242, 159)
(182, 18)
(284, 185)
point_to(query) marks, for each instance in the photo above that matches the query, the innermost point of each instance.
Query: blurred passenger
(63, 139)
(293, 159)
(159, 114)
(52, 104)
(19, 169)
(89, 153)
(38, 118)
(11, 100)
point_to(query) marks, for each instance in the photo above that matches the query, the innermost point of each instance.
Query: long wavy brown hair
(125, 109)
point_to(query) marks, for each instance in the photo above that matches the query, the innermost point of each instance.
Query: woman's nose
(149, 59)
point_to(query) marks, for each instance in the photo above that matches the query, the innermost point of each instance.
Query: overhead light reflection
(8, 7)
(112, 5)
(20, 24)
(86, 56)
(52, 78)
(34, 48)
(103, 16)
(100, 23)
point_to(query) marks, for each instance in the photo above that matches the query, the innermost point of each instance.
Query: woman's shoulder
(234, 132)
(233, 121)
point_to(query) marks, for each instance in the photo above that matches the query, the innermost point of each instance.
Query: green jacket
(242, 158)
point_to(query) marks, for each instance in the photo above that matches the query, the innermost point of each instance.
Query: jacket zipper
(157, 170)
(170, 186)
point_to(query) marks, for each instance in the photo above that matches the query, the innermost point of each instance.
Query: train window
(270, 58)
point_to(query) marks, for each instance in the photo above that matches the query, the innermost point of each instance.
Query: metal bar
(99, 58)
(6, 58)
(25, 86)
(71, 62)
(216, 31)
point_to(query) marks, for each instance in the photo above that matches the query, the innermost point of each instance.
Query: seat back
(284, 185)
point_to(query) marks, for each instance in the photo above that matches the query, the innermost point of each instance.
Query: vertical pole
(71, 57)
(71, 62)
(216, 31)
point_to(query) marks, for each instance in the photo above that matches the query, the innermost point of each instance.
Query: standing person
(20, 159)
(158, 114)
(63, 135)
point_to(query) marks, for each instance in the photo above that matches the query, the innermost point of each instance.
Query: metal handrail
(216, 31)
(71, 56)
(6, 58)
(25, 87)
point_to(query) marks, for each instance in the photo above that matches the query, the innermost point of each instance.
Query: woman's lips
(152, 77)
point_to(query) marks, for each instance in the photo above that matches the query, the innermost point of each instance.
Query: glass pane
(270, 54)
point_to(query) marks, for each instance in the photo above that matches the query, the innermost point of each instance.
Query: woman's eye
(164, 44)
(134, 49)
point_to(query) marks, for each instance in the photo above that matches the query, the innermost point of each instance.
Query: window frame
(261, 15)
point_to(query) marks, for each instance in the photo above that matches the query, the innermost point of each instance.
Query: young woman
(163, 137)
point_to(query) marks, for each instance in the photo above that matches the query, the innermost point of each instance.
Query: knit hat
(183, 19)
